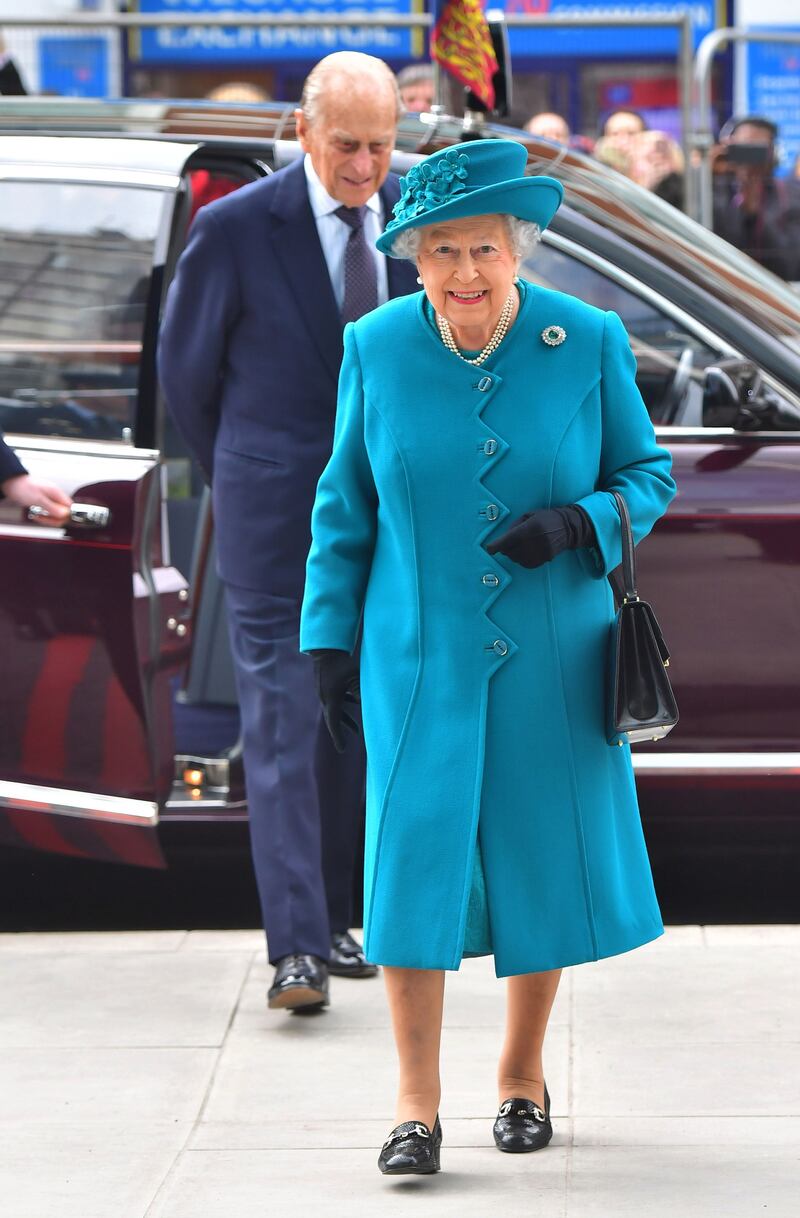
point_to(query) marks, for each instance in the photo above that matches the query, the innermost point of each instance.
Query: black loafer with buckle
(521, 1126)
(411, 1150)
(347, 957)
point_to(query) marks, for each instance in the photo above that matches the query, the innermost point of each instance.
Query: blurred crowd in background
(753, 209)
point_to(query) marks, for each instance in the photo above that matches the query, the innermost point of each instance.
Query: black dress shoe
(347, 957)
(521, 1126)
(300, 982)
(411, 1150)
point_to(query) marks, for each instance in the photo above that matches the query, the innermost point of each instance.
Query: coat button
(500, 647)
(491, 511)
(490, 580)
(485, 383)
(490, 447)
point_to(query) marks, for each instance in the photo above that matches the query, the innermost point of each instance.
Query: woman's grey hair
(524, 236)
(415, 74)
(355, 67)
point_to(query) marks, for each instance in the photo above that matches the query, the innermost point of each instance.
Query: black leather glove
(336, 675)
(537, 537)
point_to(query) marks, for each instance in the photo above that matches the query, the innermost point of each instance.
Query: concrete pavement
(142, 1077)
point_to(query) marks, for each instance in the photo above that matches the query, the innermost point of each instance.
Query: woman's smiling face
(467, 269)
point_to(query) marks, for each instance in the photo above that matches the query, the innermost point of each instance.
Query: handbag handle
(628, 552)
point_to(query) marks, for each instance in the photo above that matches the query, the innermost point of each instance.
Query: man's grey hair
(355, 67)
(523, 235)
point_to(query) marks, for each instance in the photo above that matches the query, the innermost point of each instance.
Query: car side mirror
(734, 395)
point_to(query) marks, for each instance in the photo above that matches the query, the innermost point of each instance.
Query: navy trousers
(305, 800)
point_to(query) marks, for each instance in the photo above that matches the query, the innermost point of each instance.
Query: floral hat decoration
(479, 178)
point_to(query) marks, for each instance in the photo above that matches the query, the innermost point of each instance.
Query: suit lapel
(297, 249)
(401, 274)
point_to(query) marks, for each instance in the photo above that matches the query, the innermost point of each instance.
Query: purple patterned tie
(360, 272)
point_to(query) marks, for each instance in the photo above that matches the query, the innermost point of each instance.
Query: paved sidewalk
(142, 1077)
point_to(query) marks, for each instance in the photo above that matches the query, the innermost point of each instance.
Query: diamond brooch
(553, 335)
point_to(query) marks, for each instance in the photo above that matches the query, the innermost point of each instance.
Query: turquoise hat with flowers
(479, 178)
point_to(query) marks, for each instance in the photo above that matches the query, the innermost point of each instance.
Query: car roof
(159, 157)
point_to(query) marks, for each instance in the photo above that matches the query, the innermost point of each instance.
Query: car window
(668, 359)
(75, 265)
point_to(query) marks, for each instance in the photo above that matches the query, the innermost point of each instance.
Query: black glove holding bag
(538, 537)
(336, 676)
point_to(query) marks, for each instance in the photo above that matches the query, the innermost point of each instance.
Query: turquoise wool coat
(499, 819)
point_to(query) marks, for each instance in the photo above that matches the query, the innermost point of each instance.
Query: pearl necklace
(494, 342)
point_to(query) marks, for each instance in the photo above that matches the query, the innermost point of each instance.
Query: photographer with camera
(754, 210)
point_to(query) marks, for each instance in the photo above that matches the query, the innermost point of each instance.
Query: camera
(757, 155)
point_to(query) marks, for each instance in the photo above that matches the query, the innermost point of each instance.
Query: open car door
(92, 625)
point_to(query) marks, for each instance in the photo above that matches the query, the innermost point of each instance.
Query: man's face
(754, 133)
(621, 128)
(550, 127)
(751, 133)
(352, 139)
(419, 97)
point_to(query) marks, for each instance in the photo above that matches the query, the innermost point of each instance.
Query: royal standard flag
(461, 43)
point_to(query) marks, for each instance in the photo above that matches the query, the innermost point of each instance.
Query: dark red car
(117, 706)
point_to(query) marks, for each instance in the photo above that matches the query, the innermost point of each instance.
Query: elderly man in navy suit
(249, 357)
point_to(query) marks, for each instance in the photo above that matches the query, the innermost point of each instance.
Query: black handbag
(641, 704)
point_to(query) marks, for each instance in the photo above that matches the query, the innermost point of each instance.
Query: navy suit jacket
(249, 356)
(10, 464)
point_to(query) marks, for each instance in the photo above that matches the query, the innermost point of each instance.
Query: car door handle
(81, 515)
(89, 516)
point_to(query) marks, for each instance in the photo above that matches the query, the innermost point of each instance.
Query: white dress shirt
(335, 233)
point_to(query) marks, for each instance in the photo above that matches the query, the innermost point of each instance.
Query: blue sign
(73, 67)
(244, 44)
(589, 42)
(773, 89)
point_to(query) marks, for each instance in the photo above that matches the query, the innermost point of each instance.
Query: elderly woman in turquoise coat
(462, 532)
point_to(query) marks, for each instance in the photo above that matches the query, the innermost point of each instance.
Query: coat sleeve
(10, 464)
(343, 523)
(202, 305)
(630, 460)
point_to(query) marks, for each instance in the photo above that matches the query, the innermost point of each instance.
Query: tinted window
(75, 262)
(660, 346)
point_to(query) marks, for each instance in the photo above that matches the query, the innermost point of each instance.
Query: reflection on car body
(117, 705)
